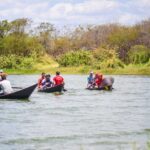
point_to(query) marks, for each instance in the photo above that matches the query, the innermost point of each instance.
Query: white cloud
(80, 12)
(127, 17)
(87, 7)
(142, 3)
(85, 12)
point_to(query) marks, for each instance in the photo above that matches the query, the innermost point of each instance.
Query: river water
(78, 119)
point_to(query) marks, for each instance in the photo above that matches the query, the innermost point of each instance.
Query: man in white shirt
(5, 85)
(1, 72)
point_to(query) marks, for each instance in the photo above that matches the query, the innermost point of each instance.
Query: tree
(123, 38)
(4, 28)
(18, 26)
(46, 35)
(144, 33)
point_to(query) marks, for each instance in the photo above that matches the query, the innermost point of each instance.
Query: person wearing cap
(1, 72)
(90, 80)
(58, 79)
(46, 83)
(5, 85)
(41, 79)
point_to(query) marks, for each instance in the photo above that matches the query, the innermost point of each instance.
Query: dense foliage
(76, 58)
(139, 54)
(16, 62)
(101, 46)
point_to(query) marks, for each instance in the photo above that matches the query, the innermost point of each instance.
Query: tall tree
(4, 28)
(46, 34)
(19, 26)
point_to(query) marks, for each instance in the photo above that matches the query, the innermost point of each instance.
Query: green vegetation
(111, 48)
(16, 62)
(139, 54)
(76, 58)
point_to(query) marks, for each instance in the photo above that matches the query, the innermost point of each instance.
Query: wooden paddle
(64, 90)
(14, 87)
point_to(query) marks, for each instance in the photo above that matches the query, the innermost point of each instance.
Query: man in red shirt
(58, 79)
(40, 80)
(98, 80)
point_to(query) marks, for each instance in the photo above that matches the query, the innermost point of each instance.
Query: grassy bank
(127, 70)
(49, 65)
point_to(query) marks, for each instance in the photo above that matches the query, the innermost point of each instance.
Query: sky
(76, 12)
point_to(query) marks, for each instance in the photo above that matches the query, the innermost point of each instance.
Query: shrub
(27, 63)
(16, 62)
(148, 63)
(139, 54)
(105, 58)
(102, 54)
(76, 58)
(9, 61)
(110, 63)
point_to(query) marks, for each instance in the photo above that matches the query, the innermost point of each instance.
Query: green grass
(127, 70)
(49, 65)
(133, 70)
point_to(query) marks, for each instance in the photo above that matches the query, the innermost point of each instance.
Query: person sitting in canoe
(0, 78)
(46, 83)
(58, 79)
(98, 80)
(107, 83)
(90, 80)
(1, 73)
(40, 80)
(5, 85)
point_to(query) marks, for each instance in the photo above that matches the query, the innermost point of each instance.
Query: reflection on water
(78, 119)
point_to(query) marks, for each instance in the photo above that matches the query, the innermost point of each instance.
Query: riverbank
(127, 70)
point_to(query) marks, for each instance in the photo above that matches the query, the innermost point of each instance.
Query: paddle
(17, 87)
(64, 90)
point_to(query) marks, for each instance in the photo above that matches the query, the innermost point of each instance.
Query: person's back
(98, 79)
(40, 80)
(108, 82)
(5, 85)
(58, 79)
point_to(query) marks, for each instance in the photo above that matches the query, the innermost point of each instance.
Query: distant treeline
(109, 45)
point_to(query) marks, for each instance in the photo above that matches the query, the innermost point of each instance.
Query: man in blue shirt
(90, 80)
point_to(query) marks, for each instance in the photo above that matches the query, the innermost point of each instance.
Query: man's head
(3, 76)
(1, 71)
(91, 73)
(57, 73)
(48, 76)
(96, 75)
(43, 74)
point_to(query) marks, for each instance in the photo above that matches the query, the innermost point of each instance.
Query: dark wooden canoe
(106, 88)
(21, 94)
(58, 88)
(107, 84)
